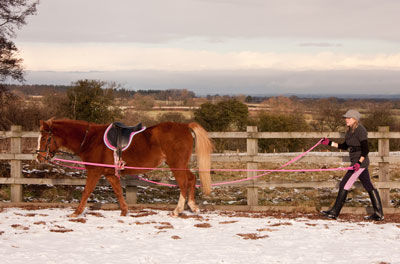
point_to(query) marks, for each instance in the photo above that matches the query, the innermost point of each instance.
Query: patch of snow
(153, 236)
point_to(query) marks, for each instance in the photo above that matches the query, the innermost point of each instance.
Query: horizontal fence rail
(252, 157)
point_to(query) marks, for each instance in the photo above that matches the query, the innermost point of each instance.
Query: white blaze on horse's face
(44, 147)
(38, 147)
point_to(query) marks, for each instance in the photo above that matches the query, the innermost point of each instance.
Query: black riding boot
(334, 212)
(377, 205)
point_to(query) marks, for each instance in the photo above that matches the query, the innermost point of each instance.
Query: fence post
(384, 176)
(16, 165)
(252, 151)
(131, 193)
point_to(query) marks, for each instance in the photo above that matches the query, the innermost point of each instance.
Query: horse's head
(48, 142)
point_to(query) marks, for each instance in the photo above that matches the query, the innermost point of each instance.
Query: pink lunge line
(178, 169)
(166, 169)
(214, 184)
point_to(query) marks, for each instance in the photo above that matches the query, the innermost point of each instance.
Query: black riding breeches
(364, 178)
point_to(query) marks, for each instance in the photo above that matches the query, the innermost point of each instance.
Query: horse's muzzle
(42, 157)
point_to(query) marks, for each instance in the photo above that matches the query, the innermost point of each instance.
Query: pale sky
(183, 38)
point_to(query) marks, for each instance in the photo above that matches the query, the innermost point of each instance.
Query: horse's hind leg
(181, 179)
(116, 185)
(91, 181)
(191, 192)
(187, 184)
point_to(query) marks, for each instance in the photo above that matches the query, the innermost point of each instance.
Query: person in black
(356, 142)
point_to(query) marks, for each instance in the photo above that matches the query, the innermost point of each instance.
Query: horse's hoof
(195, 210)
(174, 214)
(74, 215)
(124, 213)
(193, 207)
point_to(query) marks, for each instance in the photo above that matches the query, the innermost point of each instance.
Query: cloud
(155, 21)
(112, 57)
(321, 44)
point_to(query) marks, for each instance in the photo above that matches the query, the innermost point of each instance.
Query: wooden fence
(251, 157)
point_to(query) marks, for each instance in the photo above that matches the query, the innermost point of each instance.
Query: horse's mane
(72, 122)
(67, 121)
(67, 124)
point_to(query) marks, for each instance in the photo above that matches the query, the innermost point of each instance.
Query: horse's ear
(49, 123)
(44, 125)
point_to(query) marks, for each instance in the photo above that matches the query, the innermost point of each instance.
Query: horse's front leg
(116, 185)
(93, 177)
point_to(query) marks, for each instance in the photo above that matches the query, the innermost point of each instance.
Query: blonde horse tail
(204, 147)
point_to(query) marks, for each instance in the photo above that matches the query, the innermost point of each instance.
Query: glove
(356, 166)
(325, 141)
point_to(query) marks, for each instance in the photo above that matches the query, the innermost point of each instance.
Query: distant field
(155, 113)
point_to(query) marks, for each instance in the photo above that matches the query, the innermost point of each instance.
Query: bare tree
(13, 15)
(329, 115)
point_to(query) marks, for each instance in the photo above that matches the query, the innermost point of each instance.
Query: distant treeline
(179, 94)
(36, 89)
(40, 89)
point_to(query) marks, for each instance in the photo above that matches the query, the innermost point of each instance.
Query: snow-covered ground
(152, 236)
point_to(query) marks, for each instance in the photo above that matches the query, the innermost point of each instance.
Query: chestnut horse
(170, 142)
